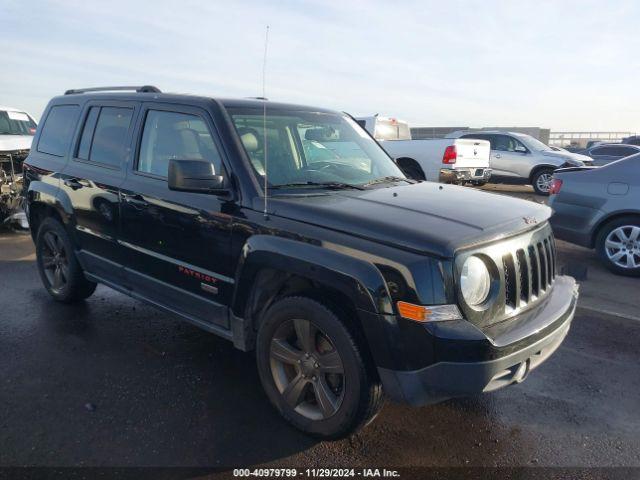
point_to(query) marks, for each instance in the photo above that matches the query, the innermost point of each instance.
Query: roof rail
(142, 89)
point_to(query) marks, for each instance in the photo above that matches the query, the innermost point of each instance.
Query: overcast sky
(563, 65)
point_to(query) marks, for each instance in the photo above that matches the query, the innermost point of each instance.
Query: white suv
(517, 158)
(17, 129)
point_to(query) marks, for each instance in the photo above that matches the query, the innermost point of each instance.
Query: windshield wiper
(331, 185)
(389, 178)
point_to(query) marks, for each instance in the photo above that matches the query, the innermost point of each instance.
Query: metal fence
(581, 139)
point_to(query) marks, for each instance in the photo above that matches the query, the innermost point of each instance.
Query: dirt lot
(112, 382)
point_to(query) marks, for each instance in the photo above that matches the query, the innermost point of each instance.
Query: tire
(619, 255)
(58, 266)
(541, 181)
(329, 393)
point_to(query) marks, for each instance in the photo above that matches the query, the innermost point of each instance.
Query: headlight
(475, 281)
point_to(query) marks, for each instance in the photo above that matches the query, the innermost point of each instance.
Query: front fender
(358, 279)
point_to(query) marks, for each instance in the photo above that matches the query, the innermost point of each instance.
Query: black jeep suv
(289, 231)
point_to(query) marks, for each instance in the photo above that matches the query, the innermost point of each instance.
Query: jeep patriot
(347, 281)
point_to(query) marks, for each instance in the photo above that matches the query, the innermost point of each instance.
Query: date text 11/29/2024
(316, 472)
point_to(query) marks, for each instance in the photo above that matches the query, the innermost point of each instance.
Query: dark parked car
(632, 140)
(600, 208)
(347, 280)
(605, 153)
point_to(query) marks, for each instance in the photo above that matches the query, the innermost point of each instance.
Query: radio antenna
(264, 123)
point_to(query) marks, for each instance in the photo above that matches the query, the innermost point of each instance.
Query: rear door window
(87, 133)
(109, 143)
(104, 135)
(58, 130)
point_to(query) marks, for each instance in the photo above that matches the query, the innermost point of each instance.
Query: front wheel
(58, 266)
(618, 245)
(313, 370)
(541, 181)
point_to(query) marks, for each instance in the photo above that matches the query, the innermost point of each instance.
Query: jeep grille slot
(523, 268)
(510, 286)
(543, 267)
(547, 251)
(535, 272)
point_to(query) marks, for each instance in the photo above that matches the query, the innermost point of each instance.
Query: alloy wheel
(544, 182)
(307, 369)
(55, 261)
(622, 246)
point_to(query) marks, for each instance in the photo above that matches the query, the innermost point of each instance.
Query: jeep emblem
(530, 220)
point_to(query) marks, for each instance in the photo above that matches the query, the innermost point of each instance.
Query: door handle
(73, 183)
(136, 201)
(497, 155)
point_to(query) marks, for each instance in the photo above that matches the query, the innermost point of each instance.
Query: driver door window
(175, 136)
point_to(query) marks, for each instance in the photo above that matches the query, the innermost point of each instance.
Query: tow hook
(523, 371)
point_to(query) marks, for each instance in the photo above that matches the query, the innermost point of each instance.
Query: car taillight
(450, 155)
(556, 185)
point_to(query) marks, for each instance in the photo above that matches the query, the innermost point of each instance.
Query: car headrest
(250, 139)
(314, 134)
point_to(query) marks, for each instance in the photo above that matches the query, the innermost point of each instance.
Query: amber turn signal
(413, 312)
(432, 313)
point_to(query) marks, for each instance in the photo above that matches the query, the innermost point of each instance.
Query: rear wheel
(618, 245)
(541, 181)
(313, 371)
(58, 266)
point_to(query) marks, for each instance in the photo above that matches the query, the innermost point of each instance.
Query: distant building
(417, 133)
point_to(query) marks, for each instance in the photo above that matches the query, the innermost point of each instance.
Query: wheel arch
(44, 200)
(537, 168)
(403, 162)
(272, 259)
(603, 222)
(271, 268)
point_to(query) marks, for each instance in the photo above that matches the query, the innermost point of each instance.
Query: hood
(15, 142)
(573, 158)
(426, 217)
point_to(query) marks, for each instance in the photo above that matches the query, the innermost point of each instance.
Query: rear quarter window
(58, 129)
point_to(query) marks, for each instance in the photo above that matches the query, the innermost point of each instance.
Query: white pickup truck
(456, 160)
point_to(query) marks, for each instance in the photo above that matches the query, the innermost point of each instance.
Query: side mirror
(520, 149)
(195, 176)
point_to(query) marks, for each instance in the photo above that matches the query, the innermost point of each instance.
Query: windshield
(534, 143)
(16, 123)
(306, 148)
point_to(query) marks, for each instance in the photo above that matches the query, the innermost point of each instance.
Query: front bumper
(513, 351)
(449, 175)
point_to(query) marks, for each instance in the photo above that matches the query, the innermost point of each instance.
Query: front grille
(523, 268)
(529, 273)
